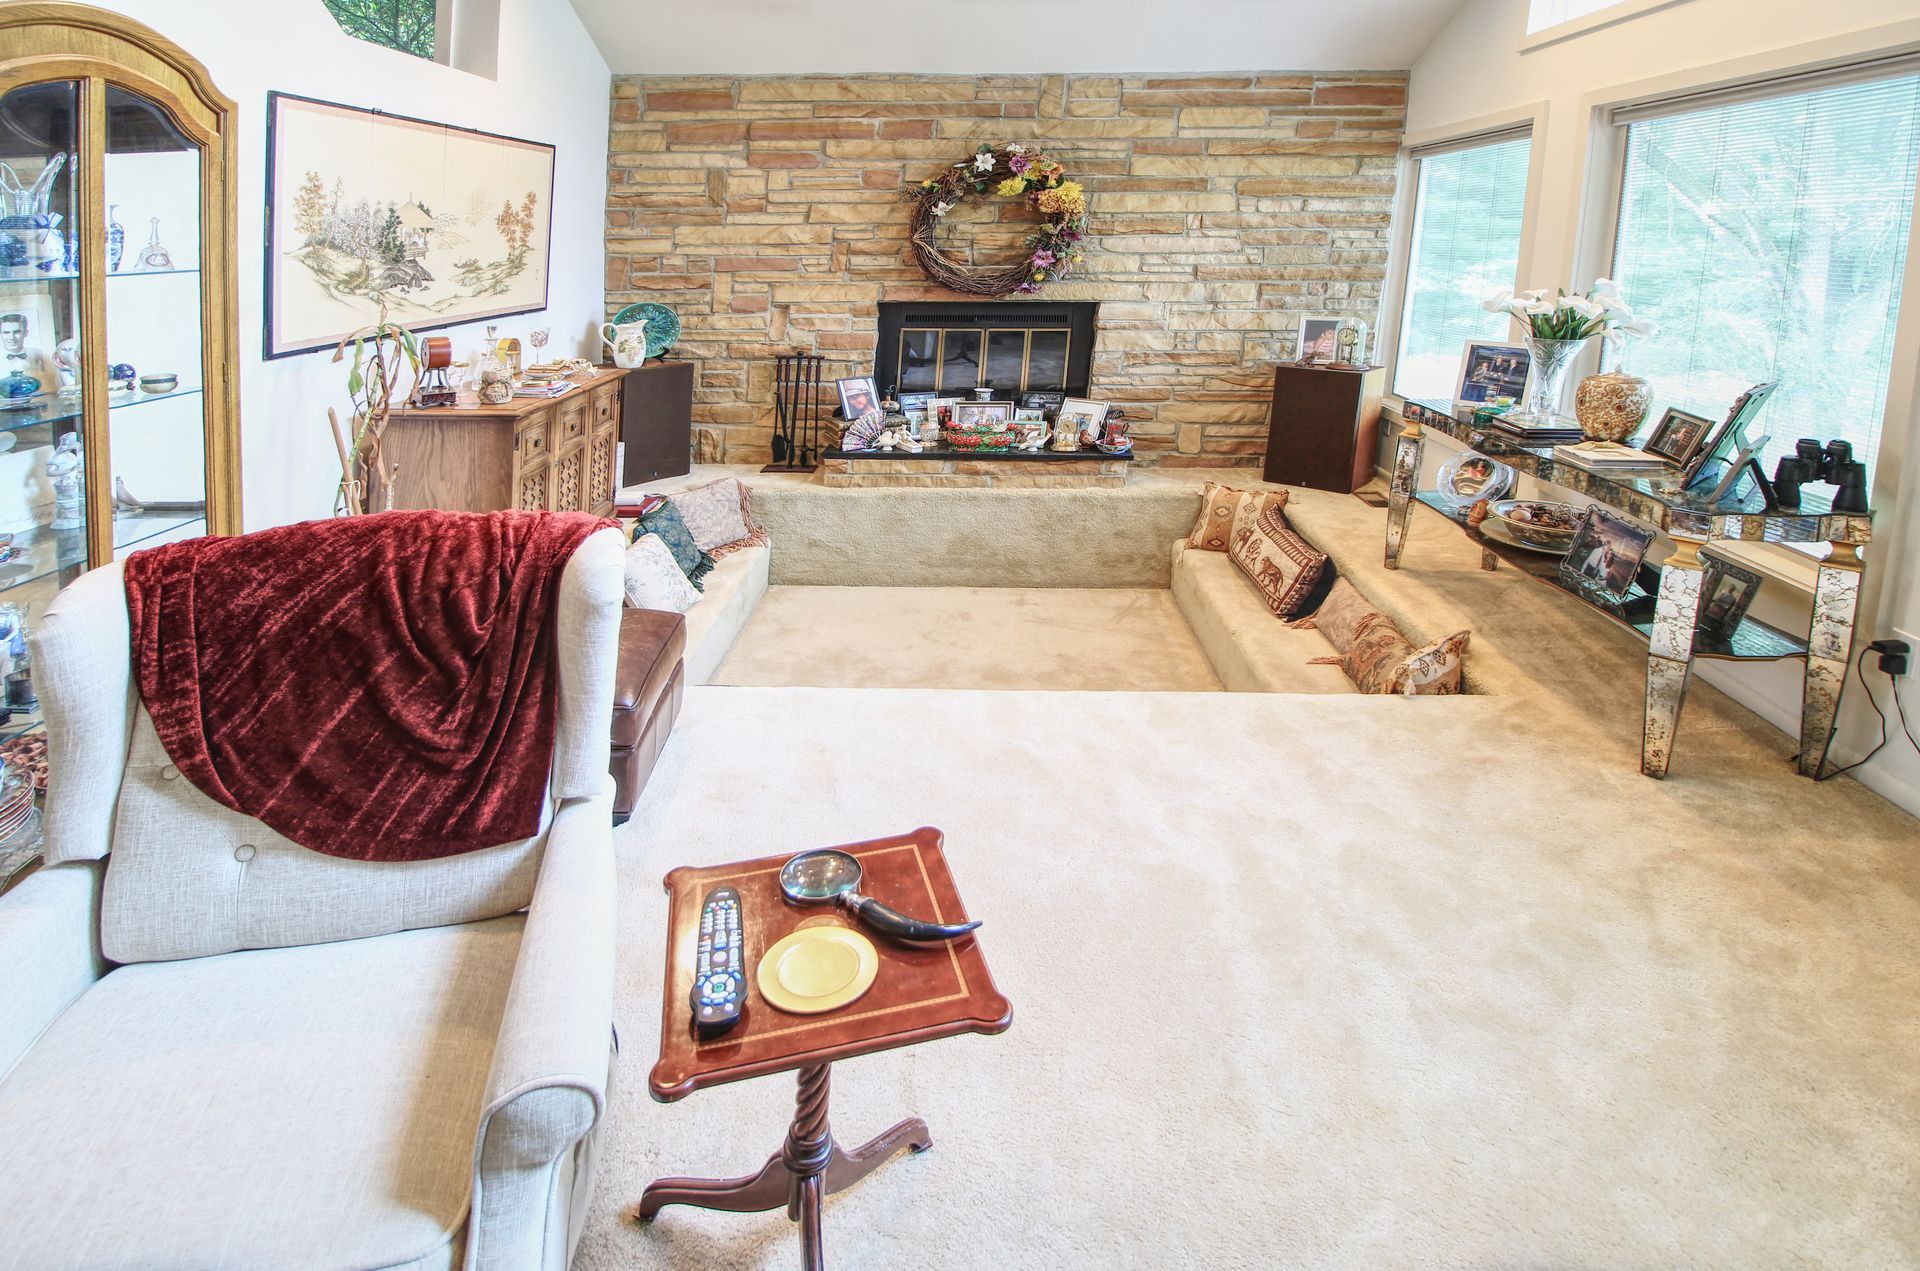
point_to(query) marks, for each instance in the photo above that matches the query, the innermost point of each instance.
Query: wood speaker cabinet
(656, 422)
(1323, 430)
(540, 454)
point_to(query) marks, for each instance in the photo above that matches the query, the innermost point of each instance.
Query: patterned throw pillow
(654, 580)
(1284, 566)
(1343, 615)
(1221, 507)
(665, 522)
(1378, 652)
(1435, 670)
(720, 515)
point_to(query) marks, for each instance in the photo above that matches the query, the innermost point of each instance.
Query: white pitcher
(617, 337)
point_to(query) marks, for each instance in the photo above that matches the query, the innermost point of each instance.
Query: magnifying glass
(829, 876)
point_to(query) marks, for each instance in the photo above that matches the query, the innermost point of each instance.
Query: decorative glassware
(116, 239)
(155, 254)
(1552, 359)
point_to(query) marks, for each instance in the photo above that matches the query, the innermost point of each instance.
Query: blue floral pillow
(666, 522)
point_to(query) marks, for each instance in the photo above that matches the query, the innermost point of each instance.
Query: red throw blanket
(379, 687)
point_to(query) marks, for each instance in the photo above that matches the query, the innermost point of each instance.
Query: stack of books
(552, 388)
(1531, 434)
(1608, 456)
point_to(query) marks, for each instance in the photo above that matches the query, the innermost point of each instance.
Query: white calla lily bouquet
(1560, 316)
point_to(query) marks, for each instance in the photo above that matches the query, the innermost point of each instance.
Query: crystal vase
(1552, 359)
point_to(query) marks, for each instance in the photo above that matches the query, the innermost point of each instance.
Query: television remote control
(719, 976)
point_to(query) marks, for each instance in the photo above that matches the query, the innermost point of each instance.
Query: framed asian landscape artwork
(369, 211)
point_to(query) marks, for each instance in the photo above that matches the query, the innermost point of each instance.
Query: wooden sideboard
(552, 454)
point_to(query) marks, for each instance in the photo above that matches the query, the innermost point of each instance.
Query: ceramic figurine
(64, 471)
(1033, 436)
(66, 366)
(116, 240)
(154, 255)
(121, 377)
(496, 384)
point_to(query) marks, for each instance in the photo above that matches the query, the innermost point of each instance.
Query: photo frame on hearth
(857, 396)
(982, 414)
(1085, 416)
(1047, 401)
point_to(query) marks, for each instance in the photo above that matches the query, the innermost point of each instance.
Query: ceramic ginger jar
(1611, 406)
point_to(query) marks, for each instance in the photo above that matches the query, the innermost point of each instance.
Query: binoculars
(1832, 463)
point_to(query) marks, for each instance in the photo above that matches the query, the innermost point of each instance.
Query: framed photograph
(980, 414)
(916, 403)
(1314, 341)
(1726, 592)
(857, 396)
(1491, 371)
(1083, 415)
(1606, 555)
(1678, 436)
(1470, 476)
(1029, 415)
(436, 224)
(1730, 439)
(1042, 401)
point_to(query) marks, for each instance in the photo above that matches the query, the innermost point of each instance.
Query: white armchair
(218, 1049)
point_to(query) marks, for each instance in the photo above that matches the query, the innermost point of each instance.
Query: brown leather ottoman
(646, 699)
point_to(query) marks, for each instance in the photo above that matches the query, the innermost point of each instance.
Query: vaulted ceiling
(801, 37)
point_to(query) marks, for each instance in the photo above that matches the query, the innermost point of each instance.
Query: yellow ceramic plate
(818, 969)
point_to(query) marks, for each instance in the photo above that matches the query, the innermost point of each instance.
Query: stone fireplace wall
(768, 213)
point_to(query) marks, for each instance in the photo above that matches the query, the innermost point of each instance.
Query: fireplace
(954, 347)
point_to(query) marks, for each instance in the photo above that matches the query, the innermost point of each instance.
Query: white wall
(552, 86)
(1475, 73)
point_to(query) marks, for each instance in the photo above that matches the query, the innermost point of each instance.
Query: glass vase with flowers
(1556, 328)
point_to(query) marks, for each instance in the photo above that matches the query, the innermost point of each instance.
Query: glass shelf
(53, 410)
(1752, 640)
(37, 276)
(43, 552)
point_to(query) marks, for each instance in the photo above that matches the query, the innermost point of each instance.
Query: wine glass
(538, 339)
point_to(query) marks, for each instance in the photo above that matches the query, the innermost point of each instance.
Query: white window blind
(1469, 203)
(1768, 238)
(1542, 14)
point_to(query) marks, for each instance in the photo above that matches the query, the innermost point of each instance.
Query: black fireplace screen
(1011, 348)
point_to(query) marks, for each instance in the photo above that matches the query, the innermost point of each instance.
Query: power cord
(1860, 669)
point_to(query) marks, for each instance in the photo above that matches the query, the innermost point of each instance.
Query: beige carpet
(968, 637)
(1349, 982)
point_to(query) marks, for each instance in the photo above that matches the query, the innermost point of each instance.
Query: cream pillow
(654, 580)
(1224, 510)
(719, 515)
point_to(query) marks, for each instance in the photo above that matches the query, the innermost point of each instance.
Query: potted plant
(379, 352)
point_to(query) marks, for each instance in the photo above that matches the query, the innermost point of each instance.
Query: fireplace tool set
(797, 400)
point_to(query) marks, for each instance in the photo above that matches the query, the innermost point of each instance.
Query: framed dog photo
(1491, 372)
(857, 396)
(1678, 436)
(1726, 593)
(1606, 555)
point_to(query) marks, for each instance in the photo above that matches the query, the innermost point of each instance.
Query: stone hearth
(969, 470)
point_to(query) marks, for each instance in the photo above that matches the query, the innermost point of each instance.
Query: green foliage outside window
(406, 25)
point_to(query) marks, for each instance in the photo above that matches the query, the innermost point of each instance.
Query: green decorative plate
(663, 325)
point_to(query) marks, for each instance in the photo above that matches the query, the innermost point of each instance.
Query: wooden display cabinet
(537, 454)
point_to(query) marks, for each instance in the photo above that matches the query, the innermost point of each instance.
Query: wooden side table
(921, 993)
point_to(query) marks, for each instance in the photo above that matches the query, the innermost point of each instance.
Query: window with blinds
(1768, 236)
(1469, 204)
(1542, 14)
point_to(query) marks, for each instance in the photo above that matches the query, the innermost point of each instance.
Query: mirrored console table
(1666, 616)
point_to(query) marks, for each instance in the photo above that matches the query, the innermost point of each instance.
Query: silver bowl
(1539, 523)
